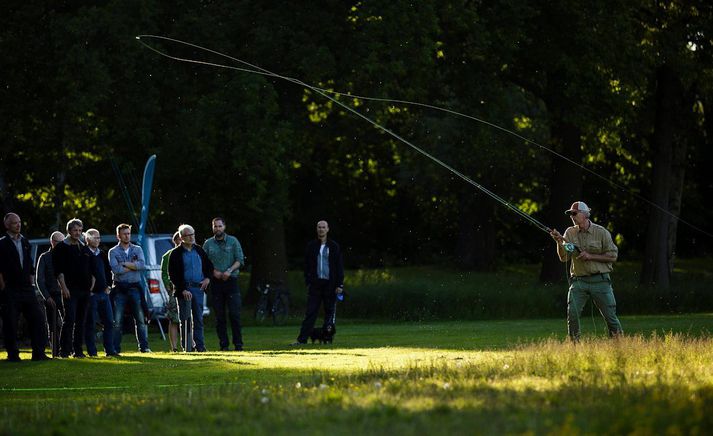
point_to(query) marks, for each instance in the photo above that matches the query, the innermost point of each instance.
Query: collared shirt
(192, 267)
(595, 240)
(18, 247)
(223, 253)
(323, 262)
(117, 256)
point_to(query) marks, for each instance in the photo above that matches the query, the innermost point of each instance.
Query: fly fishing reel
(569, 247)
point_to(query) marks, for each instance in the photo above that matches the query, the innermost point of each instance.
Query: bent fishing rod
(255, 69)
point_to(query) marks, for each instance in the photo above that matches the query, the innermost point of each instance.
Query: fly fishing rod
(264, 72)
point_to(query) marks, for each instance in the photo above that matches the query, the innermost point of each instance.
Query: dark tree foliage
(80, 96)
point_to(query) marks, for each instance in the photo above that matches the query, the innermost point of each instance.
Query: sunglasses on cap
(572, 213)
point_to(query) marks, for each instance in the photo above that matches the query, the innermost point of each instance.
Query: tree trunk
(269, 256)
(656, 270)
(475, 246)
(678, 174)
(565, 188)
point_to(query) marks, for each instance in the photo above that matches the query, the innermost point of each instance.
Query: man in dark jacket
(324, 277)
(17, 294)
(72, 266)
(46, 283)
(189, 269)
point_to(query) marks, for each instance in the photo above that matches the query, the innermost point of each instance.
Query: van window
(162, 246)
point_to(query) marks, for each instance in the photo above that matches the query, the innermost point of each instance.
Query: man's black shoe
(113, 355)
(238, 348)
(224, 349)
(79, 355)
(13, 359)
(40, 357)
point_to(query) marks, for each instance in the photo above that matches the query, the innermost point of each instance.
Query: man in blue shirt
(127, 262)
(189, 269)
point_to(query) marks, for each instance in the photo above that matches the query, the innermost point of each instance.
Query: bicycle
(274, 302)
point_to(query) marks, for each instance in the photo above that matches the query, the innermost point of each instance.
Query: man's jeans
(227, 294)
(99, 304)
(195, 306)
(131, 295)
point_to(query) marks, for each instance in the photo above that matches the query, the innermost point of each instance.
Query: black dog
(324, 335)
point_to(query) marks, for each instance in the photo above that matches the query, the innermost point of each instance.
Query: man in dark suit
(324, 277)
(17, 294)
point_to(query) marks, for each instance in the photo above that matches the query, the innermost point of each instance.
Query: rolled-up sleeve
(238, 252)
(608, 246)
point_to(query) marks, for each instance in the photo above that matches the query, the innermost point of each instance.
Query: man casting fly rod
(592, 252)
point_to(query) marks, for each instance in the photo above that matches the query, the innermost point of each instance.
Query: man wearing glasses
(189, 269)
(593, 253)
(127, 261)
(46, 283)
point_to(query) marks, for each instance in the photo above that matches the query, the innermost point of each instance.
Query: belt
(128, 285)
(597, 275)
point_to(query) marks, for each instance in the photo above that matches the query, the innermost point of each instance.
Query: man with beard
(226, 254)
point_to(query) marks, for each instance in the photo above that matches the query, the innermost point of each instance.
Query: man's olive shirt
(595, 240)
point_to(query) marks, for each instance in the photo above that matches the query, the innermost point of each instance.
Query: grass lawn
(406, 378)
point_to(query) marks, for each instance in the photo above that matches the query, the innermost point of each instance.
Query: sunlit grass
(440, 378)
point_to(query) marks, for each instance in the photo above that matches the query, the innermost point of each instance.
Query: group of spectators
(80, 287)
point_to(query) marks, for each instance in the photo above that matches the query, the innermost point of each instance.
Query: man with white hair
(46, 283)
(592, 251)
(189, 269)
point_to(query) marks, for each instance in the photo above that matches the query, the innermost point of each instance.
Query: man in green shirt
(226, 254)
(171, 305)
(592, 260)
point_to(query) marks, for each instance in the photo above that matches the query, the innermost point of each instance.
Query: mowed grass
(405, 378)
